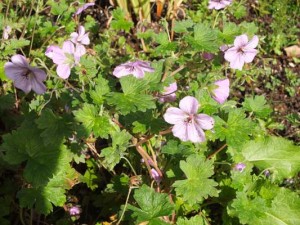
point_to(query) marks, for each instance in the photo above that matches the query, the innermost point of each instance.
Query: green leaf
(197, 186)
(165, 46)
(91, 176)
(236, 130)
(205, 39)
(240, 12)
(112, 155)
(13, 45)
(119, 22)
(58, 8)
(55, 127)
(92, 121)
(249, 211)
(43, 160)
(6, 102)
(152, 206)
(42, 198)
(153, 80)
(274, 153)
(133, 99)
(248, 28)
(183, 25)
(175, 148)
(139, 128)
(192, 221)
(230, 31)
(283, 210)
(258, 105)
(101, 89)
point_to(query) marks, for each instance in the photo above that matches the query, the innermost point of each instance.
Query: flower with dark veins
(188, 125)
(137, 69)
(218, 4)
(66, 57)
(25, 77)
(242, 52)
(81, 37)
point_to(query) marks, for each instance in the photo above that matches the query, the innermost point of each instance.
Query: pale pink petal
(51, 50)
(249, 55)
(169, 94)
(68, 47)
(145, 66)
(81, 31)
(204, 121)
(120, 71)
(63, 71)
(19, 60)
(175, 115)
(37, 86)
(193, 134)
(238, 63)
(85, 39)
(241, 41)
(231, 54)
(252, 43)
(80, 50)
(221, 93)
(138, 72)
(180, 130)
(84, 7)
(189, 105)
(13, 71)
(74, 37)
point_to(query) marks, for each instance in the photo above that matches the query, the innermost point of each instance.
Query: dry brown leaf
(292, 51)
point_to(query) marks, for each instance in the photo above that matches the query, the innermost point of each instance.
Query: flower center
(189, 119)
(27, 74)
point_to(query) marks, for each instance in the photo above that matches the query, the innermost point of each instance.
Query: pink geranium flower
(75, 210)
(169, 94)
(84, 7)
(240, 167)
(137, 69)
(221, 92)
(155, 176)
(81, 37)
(243, 51)
(218, 4)
(188, 125)
(65, 58)
(25, 77)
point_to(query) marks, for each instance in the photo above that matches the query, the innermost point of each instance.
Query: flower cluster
(69, 55)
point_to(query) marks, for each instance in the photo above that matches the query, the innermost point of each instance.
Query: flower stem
(133, 170)
(216, 152)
